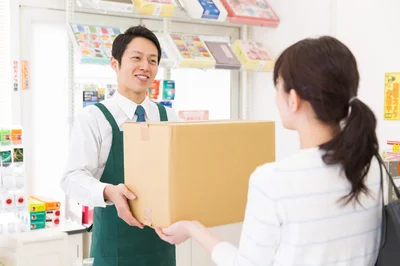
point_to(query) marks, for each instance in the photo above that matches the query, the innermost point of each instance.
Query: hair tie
(352, 99)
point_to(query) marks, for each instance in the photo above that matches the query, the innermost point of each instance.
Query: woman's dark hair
(324, 72)
(121, 42)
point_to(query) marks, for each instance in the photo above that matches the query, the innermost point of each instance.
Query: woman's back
(316, 228)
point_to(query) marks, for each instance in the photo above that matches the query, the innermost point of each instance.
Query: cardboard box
(194, 170)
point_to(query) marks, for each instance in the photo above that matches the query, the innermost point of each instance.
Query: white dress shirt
(293, 217)
(90, 145)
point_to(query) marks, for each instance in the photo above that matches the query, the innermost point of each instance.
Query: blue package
(166, 103)
(210, 10)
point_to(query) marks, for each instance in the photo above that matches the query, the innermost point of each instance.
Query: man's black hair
(122, 41)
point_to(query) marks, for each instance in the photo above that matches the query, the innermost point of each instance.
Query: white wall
(300, 19)
(370, 29)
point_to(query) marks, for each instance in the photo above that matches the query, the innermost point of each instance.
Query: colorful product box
(38, 225)
(36, 205)
(50, 204)
(5, 158)
(93, 43)
(206, 9)
(5, 136)
(252, 12)
(253, 56)
(37, 216)
(163, 8)
(52, 219)
(33, 220)
(16, 136)
(154, 90)
(18, 155)
(168, 90)
(191, 51)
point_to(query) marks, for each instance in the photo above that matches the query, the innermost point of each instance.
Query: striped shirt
(293, 217)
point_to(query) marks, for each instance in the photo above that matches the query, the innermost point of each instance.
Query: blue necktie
(140, 114)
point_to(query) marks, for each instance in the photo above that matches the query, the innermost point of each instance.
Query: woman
(321, 206)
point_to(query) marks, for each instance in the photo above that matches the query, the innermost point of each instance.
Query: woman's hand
(176, 233)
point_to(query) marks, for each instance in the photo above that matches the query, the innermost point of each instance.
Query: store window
(195, 90)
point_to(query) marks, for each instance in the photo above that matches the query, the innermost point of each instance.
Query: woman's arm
(260, 233)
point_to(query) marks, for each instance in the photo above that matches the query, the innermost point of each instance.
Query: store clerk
(95, 167)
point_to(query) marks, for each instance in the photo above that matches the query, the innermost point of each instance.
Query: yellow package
(253, 56)
(163, 8)
(36, 205)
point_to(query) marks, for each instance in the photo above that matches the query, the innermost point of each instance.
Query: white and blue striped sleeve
(261, 228)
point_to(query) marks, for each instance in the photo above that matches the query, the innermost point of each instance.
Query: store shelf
(179, 16)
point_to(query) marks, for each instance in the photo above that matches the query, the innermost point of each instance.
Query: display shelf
(180, 14)
(93, 44)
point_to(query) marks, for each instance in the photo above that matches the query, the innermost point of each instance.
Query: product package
(253, 56)
(154, 90)
(223, 54)
(93, 43)
(252, 12)
(205, 9)
(191, 51)
(5, 136)
(168, 90)
(16, 136)
(163, 8)
(166, 103)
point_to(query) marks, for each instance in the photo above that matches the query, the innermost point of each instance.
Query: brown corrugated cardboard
(194, 170)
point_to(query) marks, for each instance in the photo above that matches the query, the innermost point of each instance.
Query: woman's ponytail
(354, 147)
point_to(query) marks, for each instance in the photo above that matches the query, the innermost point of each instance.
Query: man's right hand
(119, 195)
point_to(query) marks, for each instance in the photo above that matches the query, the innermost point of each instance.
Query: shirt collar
(129, 107)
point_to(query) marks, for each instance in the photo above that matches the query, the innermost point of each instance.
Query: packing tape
(148, 217)
(145, 132)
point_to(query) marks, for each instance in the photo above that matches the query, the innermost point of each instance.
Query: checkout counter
(61, 246)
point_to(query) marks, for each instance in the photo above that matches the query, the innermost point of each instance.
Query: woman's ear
(294, 101)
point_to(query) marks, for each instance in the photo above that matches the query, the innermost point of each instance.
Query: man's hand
(119, 195)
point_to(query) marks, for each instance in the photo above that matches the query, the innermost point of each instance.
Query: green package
(18, 155)
(168, 90)
(5, 136)
(5, 158)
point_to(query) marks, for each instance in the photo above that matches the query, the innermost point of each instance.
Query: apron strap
(163, 112)
(108, 116)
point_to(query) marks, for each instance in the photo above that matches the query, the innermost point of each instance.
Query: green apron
(114, 242)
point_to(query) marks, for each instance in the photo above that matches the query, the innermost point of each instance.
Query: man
(95, 169)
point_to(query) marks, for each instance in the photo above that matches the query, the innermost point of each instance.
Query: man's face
(139, 65)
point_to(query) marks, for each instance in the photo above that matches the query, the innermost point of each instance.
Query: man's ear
(114, 64)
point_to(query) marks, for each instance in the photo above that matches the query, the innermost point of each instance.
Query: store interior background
(369, 28)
